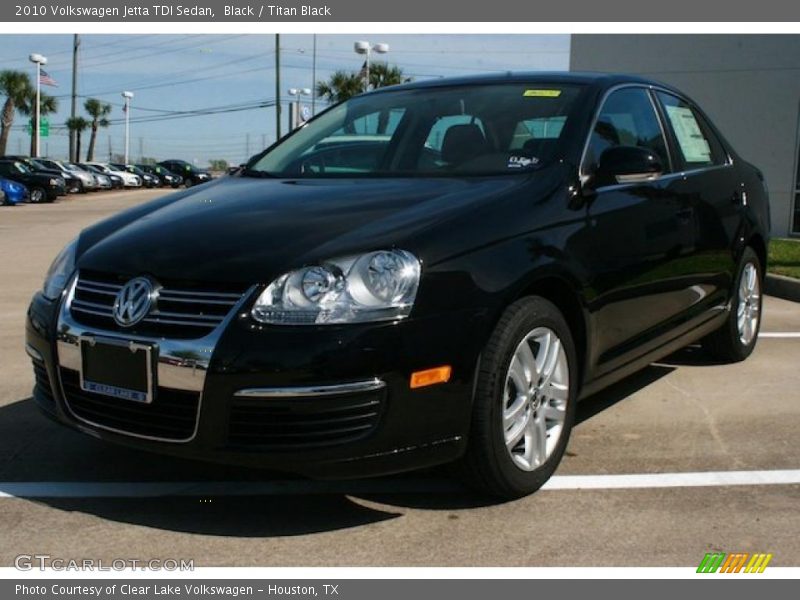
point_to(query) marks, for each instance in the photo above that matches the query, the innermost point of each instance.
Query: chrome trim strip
(33, 353)
(369, 385)
(182, 364)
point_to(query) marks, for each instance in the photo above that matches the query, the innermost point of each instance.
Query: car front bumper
(283, 398)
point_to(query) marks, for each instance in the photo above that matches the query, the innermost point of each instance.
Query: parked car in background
(75, 183)
(115, 180)
(104, 181)
(521, 242)
(191, 174)
(13, 191)
(148, 180)
(43, 187)
(88, 180)
(128, 179)
(165, 176)
(34, 165)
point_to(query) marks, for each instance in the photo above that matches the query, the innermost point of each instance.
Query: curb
(780, 286)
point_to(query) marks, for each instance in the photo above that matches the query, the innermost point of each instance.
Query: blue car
(14, 192)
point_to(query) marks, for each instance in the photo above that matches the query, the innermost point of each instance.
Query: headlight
(377, 286)
(57, 275)
(54, 182)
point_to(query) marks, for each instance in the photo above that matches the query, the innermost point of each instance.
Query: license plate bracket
(118, 368)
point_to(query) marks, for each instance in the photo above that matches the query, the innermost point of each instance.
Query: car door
(638, 236)
(709, 184)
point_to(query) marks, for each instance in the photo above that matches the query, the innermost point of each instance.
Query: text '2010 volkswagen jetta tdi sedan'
(429, 273)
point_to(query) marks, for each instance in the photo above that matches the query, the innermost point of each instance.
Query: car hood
(249, 230)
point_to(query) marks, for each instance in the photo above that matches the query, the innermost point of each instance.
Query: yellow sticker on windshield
(542, 93)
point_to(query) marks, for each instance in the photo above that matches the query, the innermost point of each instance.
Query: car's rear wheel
(737, 338)
(525, 401)
(37, 195)
(188, 182)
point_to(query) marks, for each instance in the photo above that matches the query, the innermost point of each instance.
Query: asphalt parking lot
(720, 423)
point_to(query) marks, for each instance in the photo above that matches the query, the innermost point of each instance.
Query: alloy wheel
(748, 311)
(535, 398)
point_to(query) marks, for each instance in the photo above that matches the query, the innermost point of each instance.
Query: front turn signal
(431, 376)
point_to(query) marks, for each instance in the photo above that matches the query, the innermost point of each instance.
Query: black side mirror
(627, 164)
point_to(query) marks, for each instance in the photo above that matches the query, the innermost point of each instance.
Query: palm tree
(47, 105)
(78, 125)
(340, 86)
(98, 111)
(384, 75)
(15, 86)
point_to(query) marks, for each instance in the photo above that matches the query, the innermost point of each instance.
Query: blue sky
(193, 72)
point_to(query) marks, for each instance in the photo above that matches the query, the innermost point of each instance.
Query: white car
(128, 179)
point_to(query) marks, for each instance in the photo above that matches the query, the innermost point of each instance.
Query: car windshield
(37, 164)
(459, 130)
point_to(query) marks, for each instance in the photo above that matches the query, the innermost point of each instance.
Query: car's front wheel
(736, 339)
(525, 401)
(37, 195)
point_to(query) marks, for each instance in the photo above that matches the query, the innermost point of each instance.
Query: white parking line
(779, 334)
(97, 489)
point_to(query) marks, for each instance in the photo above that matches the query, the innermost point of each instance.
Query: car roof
(602, 80)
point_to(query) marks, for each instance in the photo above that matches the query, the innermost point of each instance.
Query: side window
(697, 144)
(627, 118)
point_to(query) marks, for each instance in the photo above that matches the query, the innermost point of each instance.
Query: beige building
(748, 84)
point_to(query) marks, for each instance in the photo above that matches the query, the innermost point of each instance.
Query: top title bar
(283, 11)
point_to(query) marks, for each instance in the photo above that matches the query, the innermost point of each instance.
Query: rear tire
(527, 382)
(736, 339)
(188, 182)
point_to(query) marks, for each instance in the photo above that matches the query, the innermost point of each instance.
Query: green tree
(99, 112)
(218, 164)
(384, 75)
(47, 105)
(16, 87)
(340, 86)
(78, 125)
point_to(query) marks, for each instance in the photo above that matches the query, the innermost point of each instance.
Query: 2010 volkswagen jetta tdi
(429, 273)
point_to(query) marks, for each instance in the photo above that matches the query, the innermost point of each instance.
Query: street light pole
(366, 48)
(127, 96)
(39, 60)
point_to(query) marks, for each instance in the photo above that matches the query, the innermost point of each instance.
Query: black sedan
(191, 174)
(166, 177)
(497, 249)
(43, 187)
(35, 164)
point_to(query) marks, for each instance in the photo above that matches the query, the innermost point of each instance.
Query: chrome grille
(179, 311)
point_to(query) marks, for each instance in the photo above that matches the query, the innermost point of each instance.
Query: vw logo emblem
(133, 302)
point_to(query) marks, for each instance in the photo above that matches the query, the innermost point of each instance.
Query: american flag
(45, 79)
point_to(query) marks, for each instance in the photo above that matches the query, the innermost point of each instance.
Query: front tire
(37, 195)
(525, 400)
(736, 339)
